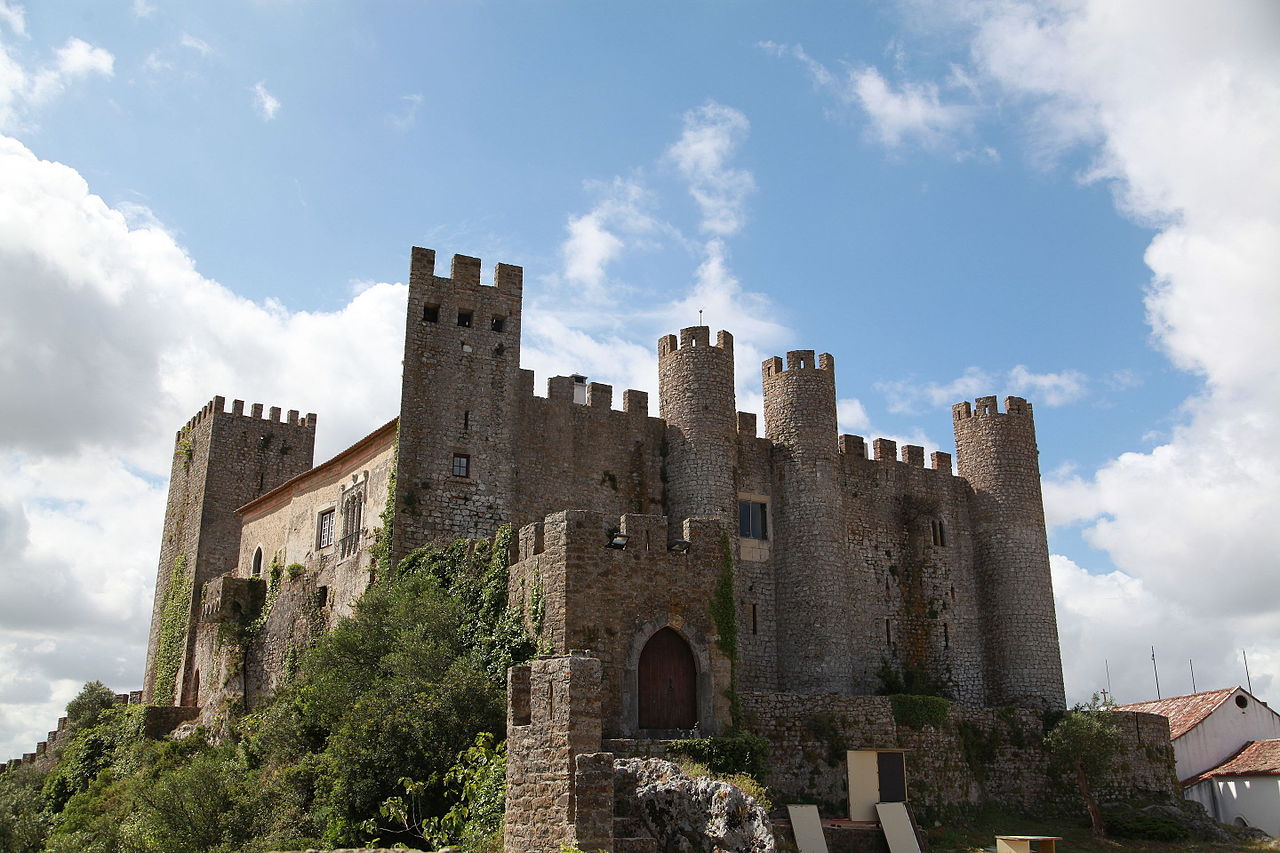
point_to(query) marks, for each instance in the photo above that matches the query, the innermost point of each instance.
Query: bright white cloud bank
(1180, 103)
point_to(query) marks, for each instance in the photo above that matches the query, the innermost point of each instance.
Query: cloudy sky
(1074, 201)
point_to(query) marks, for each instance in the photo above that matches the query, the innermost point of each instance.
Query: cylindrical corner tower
(815, 639)
(996, 453)
(695, 383)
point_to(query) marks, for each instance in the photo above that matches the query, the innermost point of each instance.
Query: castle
(646, 541)
(845, 567)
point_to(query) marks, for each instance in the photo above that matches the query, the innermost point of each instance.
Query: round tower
(815, 640)
(695, 385)
(996, 453)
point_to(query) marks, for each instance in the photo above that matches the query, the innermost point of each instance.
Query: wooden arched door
(668, 683)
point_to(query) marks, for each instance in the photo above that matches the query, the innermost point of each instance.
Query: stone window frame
(938, 532)
(351, 504)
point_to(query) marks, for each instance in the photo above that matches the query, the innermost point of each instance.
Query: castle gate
(667, 681)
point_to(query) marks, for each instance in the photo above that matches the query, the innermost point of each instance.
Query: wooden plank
(807, 827)
(898, 831)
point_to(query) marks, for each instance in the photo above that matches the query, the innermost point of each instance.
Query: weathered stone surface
(689, 815)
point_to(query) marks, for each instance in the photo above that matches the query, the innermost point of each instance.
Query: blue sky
(1071, 201)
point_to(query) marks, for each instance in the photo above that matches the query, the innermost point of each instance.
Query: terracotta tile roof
(1255, 758)
(1184, 712)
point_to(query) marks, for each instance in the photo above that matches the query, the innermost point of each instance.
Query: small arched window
(256, 571)
(938, 531)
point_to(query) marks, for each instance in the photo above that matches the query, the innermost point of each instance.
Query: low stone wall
(977, 755)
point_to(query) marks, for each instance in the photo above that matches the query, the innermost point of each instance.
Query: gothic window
(352, 516)
(256, 571)
(753, 520)
(938, 532)
(324, 529)
(461, 465)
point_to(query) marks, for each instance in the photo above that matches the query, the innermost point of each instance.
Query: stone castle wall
(576, 593)
(222, 460)
(979, 755)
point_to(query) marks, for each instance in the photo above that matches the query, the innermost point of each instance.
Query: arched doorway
(668, 683)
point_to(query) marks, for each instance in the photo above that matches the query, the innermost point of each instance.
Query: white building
(1227, 747)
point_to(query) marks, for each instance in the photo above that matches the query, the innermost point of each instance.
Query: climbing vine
(475, 572)
(175, 613)
(382, 536)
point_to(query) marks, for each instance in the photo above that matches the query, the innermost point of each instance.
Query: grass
(981, 834)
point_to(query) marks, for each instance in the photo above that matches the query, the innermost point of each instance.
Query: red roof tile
(1255, 758)
(1184, 712)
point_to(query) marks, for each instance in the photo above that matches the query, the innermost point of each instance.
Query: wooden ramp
(807, 827)
(897, 827)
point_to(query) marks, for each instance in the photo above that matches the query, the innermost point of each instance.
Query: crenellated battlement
(217, 406)
(886, 450)
(985, 407)
(801, 359)
(464, 273)
(693, 337)
(643, 533)
(598, 395)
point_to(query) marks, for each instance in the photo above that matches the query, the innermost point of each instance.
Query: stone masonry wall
(559, 788)
(996, 453)
(610, 601)
(222, 460)
(979, 755)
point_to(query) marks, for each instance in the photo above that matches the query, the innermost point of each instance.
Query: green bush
(739, 753)
(916, 712)
(1146, 827)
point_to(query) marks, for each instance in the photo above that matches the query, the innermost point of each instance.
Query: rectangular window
(753, 520)
(461, 465)
(498, 323)
(464, 319)
(430, 313)
(324, 529)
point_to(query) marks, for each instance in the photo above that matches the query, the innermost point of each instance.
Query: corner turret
(996, 453)
(815, 638)
(696, 399)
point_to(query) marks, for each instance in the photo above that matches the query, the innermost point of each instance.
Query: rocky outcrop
(688, 815)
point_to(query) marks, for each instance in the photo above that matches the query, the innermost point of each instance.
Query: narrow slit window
(946, 636)
(461, 465)
(464, 319)
(888, 633)
(431, 313)
(753, 520)
(939, 532)
(466, 420)
(753, 619)
(257, 563)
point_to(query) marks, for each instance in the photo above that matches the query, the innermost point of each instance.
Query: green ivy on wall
(725, 615)
(175, 614)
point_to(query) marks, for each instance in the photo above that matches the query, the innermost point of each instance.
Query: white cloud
(712, 135)
(1179, 106)
(407, 115)
(908, 112)
(142, 9)
(199, 45)
(22, 91)
(111, 340)
(913, 111)
(906, 396)
(14, 16)
(619, 220)
(267, 104)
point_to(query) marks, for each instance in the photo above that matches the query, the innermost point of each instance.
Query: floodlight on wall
(679, 546)
(618, 541)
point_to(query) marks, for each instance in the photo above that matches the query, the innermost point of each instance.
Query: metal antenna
(1107, 664)
(1156, 671)
(699, 316)
(1247, 680)
(1192, 664)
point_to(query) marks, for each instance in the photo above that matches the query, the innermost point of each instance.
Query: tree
(1086, 741)
(94, 698)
